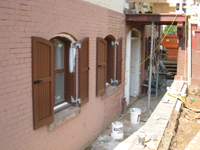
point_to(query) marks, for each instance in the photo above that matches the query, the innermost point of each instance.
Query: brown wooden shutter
(101, 66)
(42, 81)
(84, 71)
(110, 62)
(119, 61)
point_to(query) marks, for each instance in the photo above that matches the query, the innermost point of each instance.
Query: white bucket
(117, 130)
(135, 115)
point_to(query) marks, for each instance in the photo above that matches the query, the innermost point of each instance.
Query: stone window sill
(109, 91)
(63, 116)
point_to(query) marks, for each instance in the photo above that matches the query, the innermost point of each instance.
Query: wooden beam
(154, 1)
(141, 7)
(157, 18)
(136, 8)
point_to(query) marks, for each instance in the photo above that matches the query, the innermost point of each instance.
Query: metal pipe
(189, 43)
(158, 59)
(150, 67)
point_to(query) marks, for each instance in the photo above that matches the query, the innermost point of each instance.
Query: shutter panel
(119, 61)
(84, 71)
(110, 62)
(101, 66)
(42, 81)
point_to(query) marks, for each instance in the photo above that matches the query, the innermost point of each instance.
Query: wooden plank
(172, 66)
(141, 7)
(169, 62)
(164, 8)
(136, 8)
(154, 1)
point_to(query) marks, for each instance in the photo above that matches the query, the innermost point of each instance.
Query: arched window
(55, 75)
(109, 63)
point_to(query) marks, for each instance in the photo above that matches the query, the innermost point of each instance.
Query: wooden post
(141, 7)
(136, 8)
(124, 105)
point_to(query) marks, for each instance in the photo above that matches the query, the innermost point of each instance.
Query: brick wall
(183, 58)
(21, 19)
(112, 107)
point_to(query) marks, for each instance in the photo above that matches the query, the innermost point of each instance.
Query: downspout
(150, 67)
(189, 43)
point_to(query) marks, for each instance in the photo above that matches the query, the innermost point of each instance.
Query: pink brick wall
(183, 59)
(21, 19)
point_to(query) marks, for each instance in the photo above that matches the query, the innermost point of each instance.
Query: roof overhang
(161, 19)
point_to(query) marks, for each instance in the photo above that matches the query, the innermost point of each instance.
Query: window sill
(63, 116)
(109, 91)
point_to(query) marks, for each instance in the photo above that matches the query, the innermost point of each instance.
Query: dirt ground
(180, 132)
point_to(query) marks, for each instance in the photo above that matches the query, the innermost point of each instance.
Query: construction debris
(194, 89)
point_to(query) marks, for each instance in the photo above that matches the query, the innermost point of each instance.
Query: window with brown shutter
(53, 84)
(119, 61)
(101, 66)
(84, 71)
(42, 81)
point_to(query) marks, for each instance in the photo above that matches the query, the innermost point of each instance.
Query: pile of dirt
(169, 131)
(182, 128)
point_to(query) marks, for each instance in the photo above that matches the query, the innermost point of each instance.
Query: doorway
(133, 59)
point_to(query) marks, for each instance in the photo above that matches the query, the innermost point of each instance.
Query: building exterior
(28, 28)
(63, 66)
(182, 68)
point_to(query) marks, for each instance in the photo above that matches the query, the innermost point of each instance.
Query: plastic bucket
(135, 115)
(117, 130)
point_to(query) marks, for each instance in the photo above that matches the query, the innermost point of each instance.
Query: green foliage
(172, 29)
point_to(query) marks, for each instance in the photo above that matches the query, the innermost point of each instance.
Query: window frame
(68, 86)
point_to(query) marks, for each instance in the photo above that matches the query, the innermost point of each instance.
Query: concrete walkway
(105, 142)
(155, 126)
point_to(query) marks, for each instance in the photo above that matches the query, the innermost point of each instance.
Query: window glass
(59, 54)
(59, 87)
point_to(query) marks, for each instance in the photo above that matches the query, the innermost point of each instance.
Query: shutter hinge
(115, 43)
(77, 45)
(75, 100)
(114, 81)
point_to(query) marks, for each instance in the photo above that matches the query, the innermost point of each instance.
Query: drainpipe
(150, 67)
(158, 59)
(189, 43)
